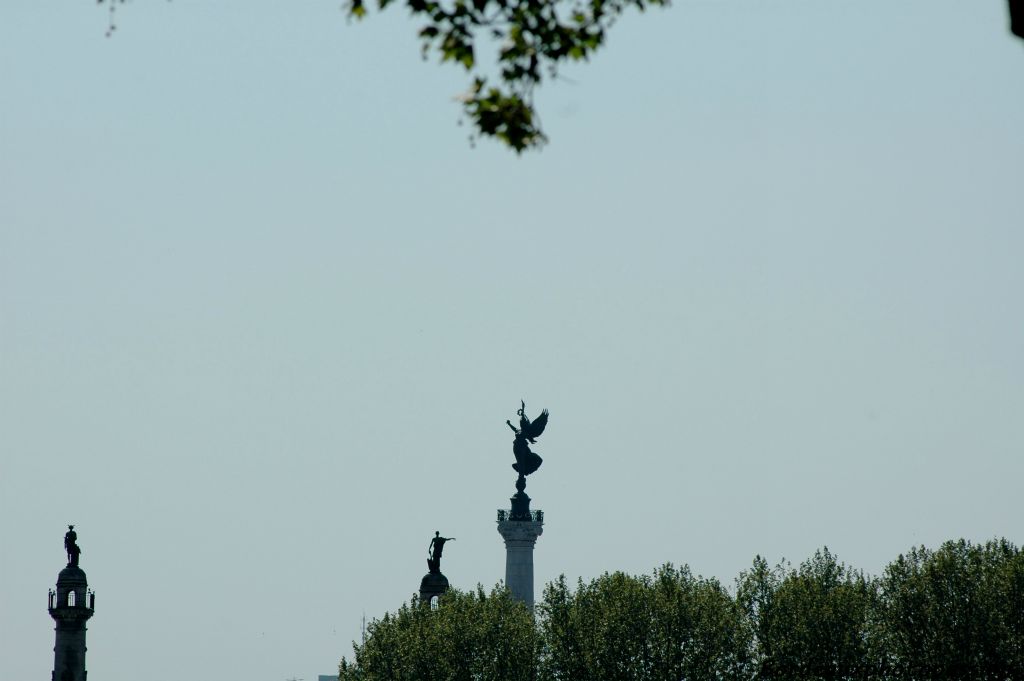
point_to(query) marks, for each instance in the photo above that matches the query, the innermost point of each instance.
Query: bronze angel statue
(527, 461)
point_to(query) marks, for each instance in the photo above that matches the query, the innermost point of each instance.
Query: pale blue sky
(263, 311)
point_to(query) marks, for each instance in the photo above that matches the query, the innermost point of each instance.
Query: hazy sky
(264, 312)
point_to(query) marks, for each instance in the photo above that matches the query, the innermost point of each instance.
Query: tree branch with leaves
(534, 39)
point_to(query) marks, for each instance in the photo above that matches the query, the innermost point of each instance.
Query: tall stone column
(520, 528)
(70, 611)
(520, 536)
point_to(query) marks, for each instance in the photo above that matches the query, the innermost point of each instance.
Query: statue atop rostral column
(70, 605)
(71, 546)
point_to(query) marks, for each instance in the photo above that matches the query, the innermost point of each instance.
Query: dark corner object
(1017, 17)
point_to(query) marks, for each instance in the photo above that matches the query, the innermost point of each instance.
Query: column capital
(520, 530)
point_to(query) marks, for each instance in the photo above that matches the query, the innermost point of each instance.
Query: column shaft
(520, 537)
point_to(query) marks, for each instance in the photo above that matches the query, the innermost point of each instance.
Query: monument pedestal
(70, 611)
(433, 585)
(520, 529)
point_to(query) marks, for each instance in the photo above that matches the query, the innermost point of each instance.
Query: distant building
(323, 677)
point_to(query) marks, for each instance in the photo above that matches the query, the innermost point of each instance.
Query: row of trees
(952, 613)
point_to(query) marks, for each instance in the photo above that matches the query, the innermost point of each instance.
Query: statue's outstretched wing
(535, 428)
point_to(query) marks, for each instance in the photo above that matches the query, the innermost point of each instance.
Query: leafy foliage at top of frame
(534, 36)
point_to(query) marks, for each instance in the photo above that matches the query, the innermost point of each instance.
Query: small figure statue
(434, 551)
(71, 546)
(527, 461)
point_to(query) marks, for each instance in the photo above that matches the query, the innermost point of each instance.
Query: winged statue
(527, 461)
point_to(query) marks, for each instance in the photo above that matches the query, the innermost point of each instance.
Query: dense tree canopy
(809, 623)
(666, 626)
(953, 613)
(474, 635)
